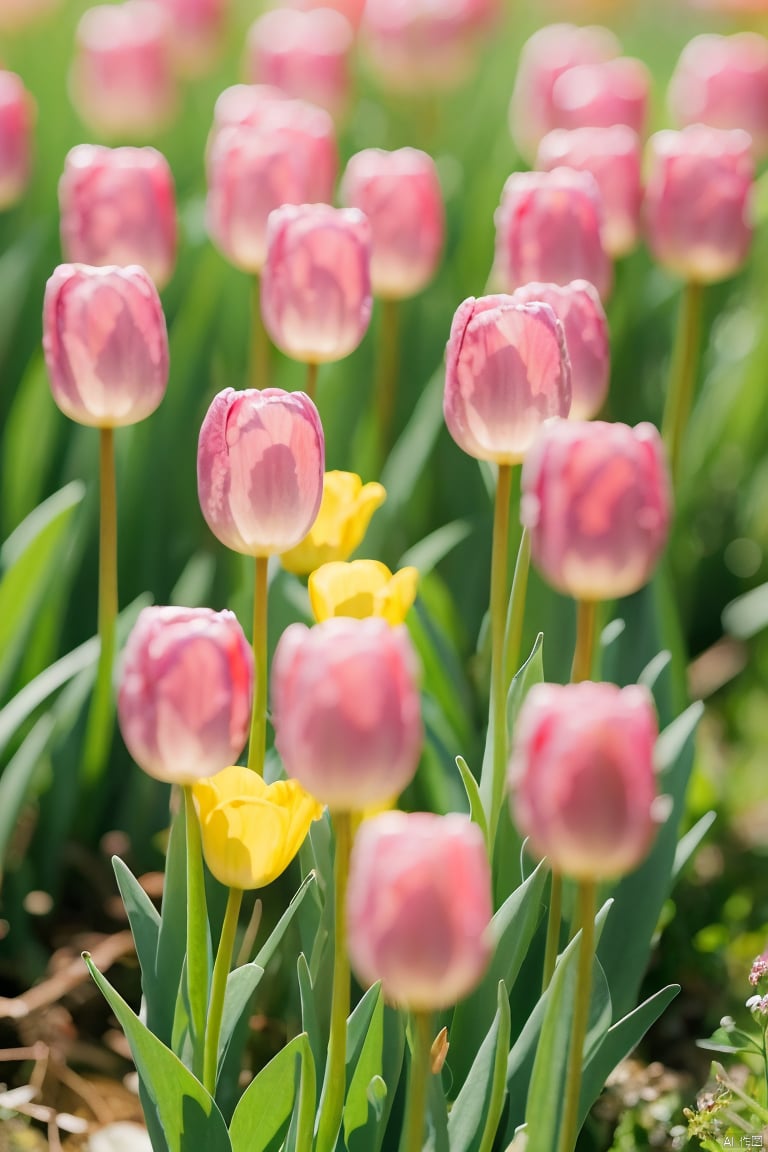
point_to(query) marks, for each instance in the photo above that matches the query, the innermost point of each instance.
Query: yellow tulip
(345, 513)
(251, 830)
(362, 588)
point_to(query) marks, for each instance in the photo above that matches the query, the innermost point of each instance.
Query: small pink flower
(346, 710)
(723, 81)
(548, 228)
(122, 80)
(118, 207)
(613, 157)
(596, 499)
(105, 342)
(185, 695)
(400, 194)
(17, 115)
(316, 288)
(698, 201)
(585, 326)
(419, 908)
(306, 54)
(507, 371)
(582, 777)
(260, 463)
(603, 94)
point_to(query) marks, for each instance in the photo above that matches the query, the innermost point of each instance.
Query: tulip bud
(545, 57)
(118, 207)
(346, 710)
(345, 513)
(316, 288)
(251, 830)
(197, 30)
(548, 228)
(419, 908)
(400, 194)
(582, 777)
(613, 157)
(698, 200)
(507, 371)
(596, 499)
(186, 686)
(105, 343)
(603, 94)
(304, 53)
(260, 469)
(17, 114)
(362, 588)
(416, 45)
(723, 81)
(585, 326)
(122, 82)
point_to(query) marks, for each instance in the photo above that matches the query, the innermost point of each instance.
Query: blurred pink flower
(304, 53)
(400, 194)
(603, 94)
(105, 343)
(260, 463)
(186, 687)
(351, 9)
(198, 28)
(17, 116)
(419, 908)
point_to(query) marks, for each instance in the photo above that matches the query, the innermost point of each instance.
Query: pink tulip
(346, 710)
(316, 288)
(304, 53)
(16, 14)
(419, 45)
(585, 326)
(105, 343)
(260, 463)
(198, 27)
(698, 202)
(419, 908)
(351, 9)
(186, 686)
(400, 194)
(723, 81)
(613, 157)
(548, 228)
(596, 499)
(545, 57)
(582, 778)
(507, 371)
(122, 81)
(118, 207)
(245, 104)
(603, 94)
(17, 115)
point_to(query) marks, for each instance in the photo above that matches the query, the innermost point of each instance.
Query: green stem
(310, 386)
(554, 917)
(100, 716)
(197, 933)
(258, 369)
(516, 613)
(387, 371)
(219, 987)
(586, 615)
(332, 1102)
(418, 1084)
(685, 360)
(570, 1124)
(493, 790)
(258, 739)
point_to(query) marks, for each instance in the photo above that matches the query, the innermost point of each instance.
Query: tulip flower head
(105, 344)
(582, 778)
(260, 469)
(306, 54)
(118, 207)
(17, 116)
(585, 327)
(346, 509)
(419, 908)
(362, 588)
(549, 229)
(698, 201)
(197, 29)
(351, 9)
(602, 94)
(186, 687)
(596, 499)
(251, 830)
(316, 288)
(507, 371)
(346, 710)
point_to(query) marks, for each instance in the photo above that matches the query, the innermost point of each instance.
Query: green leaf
(32, 427)
(144, 920)
(411, 453)
(427, 553)
(270, 946)
(309, 1022)
(17, 780)
(437, 1117)
(476, 811)
(532, 672)
(172, 937)
(264, 1110)
(365, 1063)
(241, 985)
(477, 1110)
(189, 1117)
(687, 844)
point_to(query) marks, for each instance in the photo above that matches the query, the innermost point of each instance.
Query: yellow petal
(345, 513)
(398, 597)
